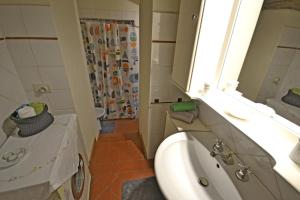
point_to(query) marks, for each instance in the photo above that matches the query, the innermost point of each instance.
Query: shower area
(112, 55)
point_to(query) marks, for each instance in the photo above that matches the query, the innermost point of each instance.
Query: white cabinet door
(189, 19)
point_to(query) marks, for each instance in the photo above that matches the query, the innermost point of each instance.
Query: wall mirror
(271, 69)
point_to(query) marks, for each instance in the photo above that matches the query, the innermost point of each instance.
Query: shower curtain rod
(131, 22)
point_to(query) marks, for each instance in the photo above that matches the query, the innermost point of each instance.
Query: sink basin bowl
(185, 170)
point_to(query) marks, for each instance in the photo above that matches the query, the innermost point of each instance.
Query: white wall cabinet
(189, 20)
(203, 34)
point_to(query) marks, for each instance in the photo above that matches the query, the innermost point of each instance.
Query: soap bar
(183, 106)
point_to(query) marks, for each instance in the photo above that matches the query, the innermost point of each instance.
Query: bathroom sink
(185, 170)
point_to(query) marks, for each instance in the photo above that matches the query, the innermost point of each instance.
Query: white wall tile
(61, 112)
(160, 74)
(46, 52)
(11, 21)
(175, 93)
(32, 97)
(116, 14)
(38, 20)
(55, 77)
(290, 37)
(11, 87)
(29, 76)
(85, 4)
(283, 56)
(21, 53)
(12, 94)
(167, 93)
(160, 82)
(103, 14)
(60, 99)
(6, 108)
(164, 26)
(86, 13)
(131, 15)
(163, 53)
(5, 58)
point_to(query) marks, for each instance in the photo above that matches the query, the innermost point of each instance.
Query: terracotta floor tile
(127, 150)
(102, 183)
(105, 153)
(127, 126)
(111, 137)
(118, 157)
(121, 167)
(93, 193)
(99, 169)
(107, 195)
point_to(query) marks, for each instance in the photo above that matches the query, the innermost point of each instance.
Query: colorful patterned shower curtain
(112, 57)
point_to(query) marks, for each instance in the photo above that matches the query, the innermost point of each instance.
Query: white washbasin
(181, 161)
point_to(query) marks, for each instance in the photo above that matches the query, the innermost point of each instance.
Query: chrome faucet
(218, 150)
(243, 173)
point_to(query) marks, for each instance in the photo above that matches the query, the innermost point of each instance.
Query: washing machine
(78, 186)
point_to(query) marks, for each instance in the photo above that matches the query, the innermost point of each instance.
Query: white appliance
(78, 186)
(47, 161)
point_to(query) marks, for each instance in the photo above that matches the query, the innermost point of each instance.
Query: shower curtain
(112, 56)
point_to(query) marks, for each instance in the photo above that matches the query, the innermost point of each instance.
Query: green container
(183, 106)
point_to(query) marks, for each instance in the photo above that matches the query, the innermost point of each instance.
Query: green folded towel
(38, 107)
(296, 91)
(183, 106)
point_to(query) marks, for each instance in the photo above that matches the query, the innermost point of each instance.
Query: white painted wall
(112, 9)
(145, 66)
(65, 15)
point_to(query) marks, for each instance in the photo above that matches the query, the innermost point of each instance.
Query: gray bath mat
(107, 126)
(143, 189)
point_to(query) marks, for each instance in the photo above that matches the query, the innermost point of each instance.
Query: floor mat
(107, 127)
(143, 189)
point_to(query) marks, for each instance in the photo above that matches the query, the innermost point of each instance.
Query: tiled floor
(118, 157)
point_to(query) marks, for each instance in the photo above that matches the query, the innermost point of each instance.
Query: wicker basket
(33, 125)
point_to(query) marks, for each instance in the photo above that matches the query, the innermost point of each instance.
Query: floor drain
(203, 181)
